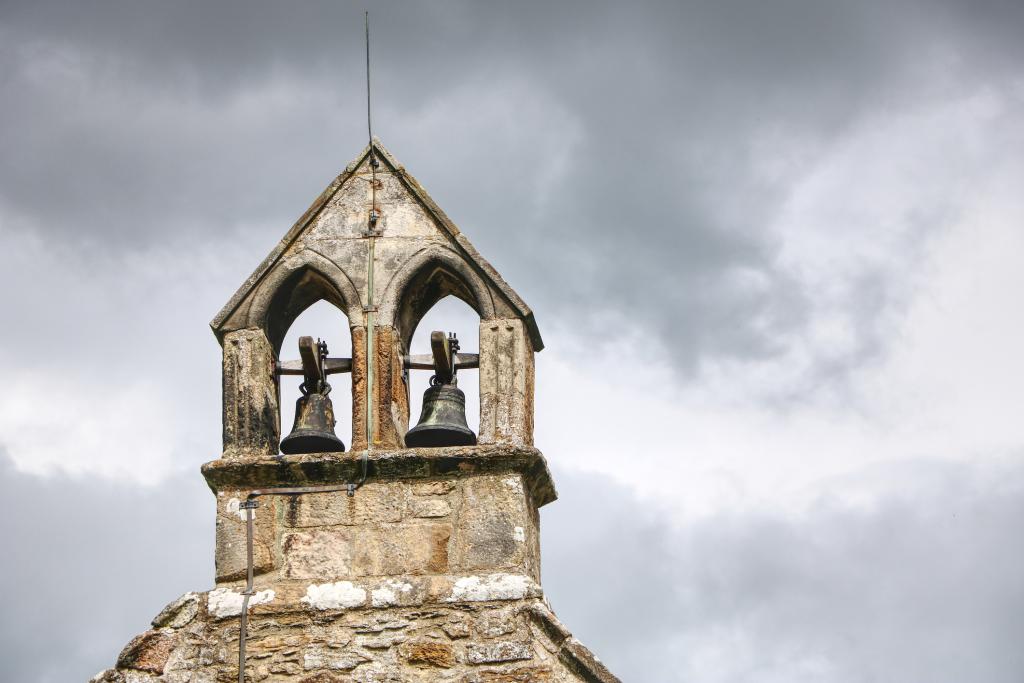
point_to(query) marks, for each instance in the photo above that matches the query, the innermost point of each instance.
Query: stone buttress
(430, 569)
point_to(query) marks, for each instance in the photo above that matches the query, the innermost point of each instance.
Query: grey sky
(802, 219)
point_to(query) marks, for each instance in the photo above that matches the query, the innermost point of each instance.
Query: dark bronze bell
(313, 431)
(442, 420)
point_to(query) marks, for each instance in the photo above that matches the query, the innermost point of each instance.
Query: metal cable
(250, 502)
(370, 305)
(369, 127)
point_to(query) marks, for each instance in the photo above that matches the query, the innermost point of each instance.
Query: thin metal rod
(243, 625)
(250, 501)
(370, 256)
(369, 126)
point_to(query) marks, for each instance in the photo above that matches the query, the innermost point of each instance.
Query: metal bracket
(314, 365)
(248, 504)
(425, 361)
(444, 357)
(332, 366)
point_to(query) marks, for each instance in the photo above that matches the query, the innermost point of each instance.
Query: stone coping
(313, 597)
(314, 469)
(571, 651)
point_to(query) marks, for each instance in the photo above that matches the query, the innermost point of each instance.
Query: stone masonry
(430, 570)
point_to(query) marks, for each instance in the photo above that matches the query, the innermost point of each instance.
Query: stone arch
(295, 285)
(429, 276)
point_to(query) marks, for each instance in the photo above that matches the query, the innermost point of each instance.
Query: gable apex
(456, 242)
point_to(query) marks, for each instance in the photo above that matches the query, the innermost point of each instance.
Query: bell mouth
(436, 437)
(296, 443)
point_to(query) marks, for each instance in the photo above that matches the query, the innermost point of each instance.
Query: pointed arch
(430, 275)
(295, 285)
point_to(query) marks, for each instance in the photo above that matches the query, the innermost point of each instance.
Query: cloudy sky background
(774, 249)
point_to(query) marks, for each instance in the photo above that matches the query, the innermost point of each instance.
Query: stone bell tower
(383, 563)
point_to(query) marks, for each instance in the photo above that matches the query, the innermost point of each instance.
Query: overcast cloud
(801, 222)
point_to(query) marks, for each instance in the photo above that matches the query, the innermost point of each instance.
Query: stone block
(489, 588)
(429, 507)
(229, 556)
(506, 383)
(432, 488)
(456, 627)
(382, 641)
(179, 613)
(527, 674)
(147, 652)
(398, 593)
(490, 529)
(428, 653)
(323, 677)
(498, 651)
(319, 553)
(419, 548)
(334, 596)
(326, 657)
(373, 503)
(495, 623)
(251, 416)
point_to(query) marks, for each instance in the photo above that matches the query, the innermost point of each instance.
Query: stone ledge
(382, 593)
(406, 464)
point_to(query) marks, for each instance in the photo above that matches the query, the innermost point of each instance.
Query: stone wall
(429, 572)
(435, 526)
(487, 636)
(421, 511)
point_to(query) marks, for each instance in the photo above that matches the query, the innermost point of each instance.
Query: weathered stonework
(429, 572)
(429, 641)
(429, 569)
(252, 424)
(434, 511)
(420, 257)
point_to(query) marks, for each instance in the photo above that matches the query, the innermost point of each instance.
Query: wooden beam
(425, 361)
(332, 366)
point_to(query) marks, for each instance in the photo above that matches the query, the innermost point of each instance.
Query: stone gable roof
(456, 239)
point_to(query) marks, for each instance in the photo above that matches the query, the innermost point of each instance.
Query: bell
(313, 431)
(443, 419)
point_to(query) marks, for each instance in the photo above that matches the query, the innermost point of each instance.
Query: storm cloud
(773, 248)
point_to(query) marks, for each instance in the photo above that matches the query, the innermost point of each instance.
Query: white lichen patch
(234, 507)
(389, 593)
(519, 533)
(339, 595)
(514, 483)
(224, 602)
(491, 587)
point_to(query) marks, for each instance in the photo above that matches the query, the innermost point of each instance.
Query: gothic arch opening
(450, 315)
(324, 320)
(427, 279)
(295, 293)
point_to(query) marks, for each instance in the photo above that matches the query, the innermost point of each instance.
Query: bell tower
(415, 554)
